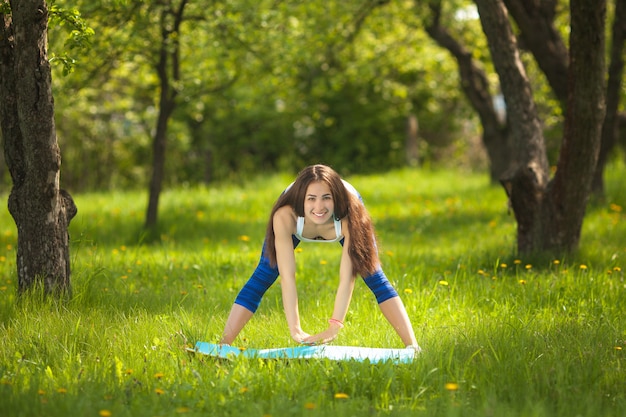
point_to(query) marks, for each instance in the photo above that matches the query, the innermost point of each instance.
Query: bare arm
(284, 223)
(342, 297)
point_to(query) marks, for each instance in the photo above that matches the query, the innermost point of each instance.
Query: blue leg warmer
(262, 278)
(380, 286)
(260, 281)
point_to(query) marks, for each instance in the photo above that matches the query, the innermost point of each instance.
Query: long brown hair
(362, 250)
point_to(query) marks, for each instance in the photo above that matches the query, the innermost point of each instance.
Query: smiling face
(318, 203)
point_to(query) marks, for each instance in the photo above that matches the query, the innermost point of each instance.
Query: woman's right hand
(300, 335)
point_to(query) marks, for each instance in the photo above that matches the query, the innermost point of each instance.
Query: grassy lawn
(502, 335)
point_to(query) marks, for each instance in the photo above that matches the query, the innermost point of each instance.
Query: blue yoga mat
(339, 353)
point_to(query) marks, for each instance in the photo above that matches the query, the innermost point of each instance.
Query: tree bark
(168, 70)
(586, 108)
(411, 147)
(550, 214)
(535, 20)
(527, 177)
(610, 127)
(40, 209)
(475, 85)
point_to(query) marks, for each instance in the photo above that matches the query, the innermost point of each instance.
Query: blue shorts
(265, 275)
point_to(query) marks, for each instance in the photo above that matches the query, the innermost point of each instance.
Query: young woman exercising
(319, 207)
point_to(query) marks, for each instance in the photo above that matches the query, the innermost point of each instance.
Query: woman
(319, 207)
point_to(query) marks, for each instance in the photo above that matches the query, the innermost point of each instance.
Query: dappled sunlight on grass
(502, 334)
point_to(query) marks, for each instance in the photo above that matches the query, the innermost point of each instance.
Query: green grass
(502, 336)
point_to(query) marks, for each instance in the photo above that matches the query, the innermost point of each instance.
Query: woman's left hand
(324, 337)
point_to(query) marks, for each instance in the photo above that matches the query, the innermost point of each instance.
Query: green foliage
(501, 335)
(79, 37)
(265, 86)
(5, 8)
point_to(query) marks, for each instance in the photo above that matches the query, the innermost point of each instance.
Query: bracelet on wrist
(335, 321)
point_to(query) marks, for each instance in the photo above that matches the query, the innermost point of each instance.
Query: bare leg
(237, 319)
(395, 313)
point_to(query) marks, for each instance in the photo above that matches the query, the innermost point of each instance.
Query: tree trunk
(475, 85)
(538, 33)
(526, 178)
(411, 147)
(550, 214)
(168, 70)
(583, 121)
(611, 121)
(158, 160)
(535, 20)
(41, 210)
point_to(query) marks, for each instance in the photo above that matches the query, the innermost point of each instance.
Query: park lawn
(502, 335)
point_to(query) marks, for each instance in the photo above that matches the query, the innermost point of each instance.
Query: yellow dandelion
(62, 390)
(310, 406)
(341, 396)
(9, 247)
(389, 253)
(124, 277)
(583, 266)
(199, 214)
(408, 291)
(481, 272)
(617, 269)
(139, 262)
(115, 251)
(615, 207)
(503, 266)
(123, 248)
(323, 262)
(618, 348)
(41, 392)
(556, 262)
(443, 282)
(244, 238)
(528, 266)
(182, 410)
(159, 391)
(517, 261)
(3, 258)
(3, 288)
(243, 390)
(522, 281)
(128, 372)
(451, 386)
(104, 413)
(159, 375)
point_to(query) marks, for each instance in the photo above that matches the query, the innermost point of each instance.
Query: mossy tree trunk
(40, 209)
(550, 212)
